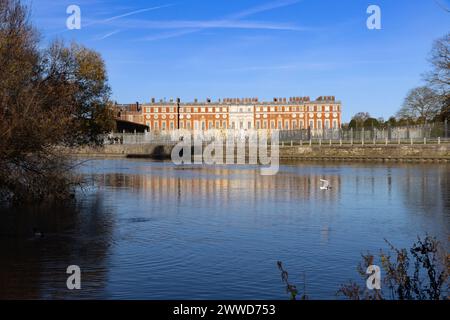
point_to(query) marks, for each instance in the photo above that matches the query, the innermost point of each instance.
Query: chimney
(153, 100)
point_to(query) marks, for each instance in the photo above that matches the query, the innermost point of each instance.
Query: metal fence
(432, 131)
(429, 133)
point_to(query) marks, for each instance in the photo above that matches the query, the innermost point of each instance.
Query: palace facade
(238, 113)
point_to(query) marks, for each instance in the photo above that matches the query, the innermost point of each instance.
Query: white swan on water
(325, 185)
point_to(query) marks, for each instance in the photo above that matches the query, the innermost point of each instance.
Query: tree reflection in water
(73, 234)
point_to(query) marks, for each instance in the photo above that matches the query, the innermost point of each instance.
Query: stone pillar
(446, 133)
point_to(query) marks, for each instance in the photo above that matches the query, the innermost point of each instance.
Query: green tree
(392, 121)
(358, 120)
(371, 123)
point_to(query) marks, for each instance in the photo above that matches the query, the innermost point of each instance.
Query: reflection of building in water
(212, 183)
(427, 188)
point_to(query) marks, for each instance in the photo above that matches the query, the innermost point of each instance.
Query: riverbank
(377, 153)
(439, 153)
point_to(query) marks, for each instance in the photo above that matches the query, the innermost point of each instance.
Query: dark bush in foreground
(420, 273)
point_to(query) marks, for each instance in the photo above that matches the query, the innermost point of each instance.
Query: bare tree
(439, 77)
(442, 5)
(421, 104)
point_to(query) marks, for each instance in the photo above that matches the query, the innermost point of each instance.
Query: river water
(152, 230)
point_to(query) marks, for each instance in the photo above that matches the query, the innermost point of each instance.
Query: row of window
(258, 116)
(334, 108)
(259, 124)
(292, 125)
(188, 110)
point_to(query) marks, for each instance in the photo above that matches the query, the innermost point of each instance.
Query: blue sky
(249, 48)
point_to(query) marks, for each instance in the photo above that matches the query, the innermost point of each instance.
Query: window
(294, 124)
(171, 125)
(224, 124)
(301, 124)
(286, 124)
(171, 110)
(280, 124)
(327, 124)
(196, 125)
(147, 110)
(327, 108)
(155, 110)
(249, 125)
(195, 109)
(335, 124)
(258, 124)
(188, 125)
(217, 124)
(202, 110)
(210, 125)
(241, 125)
(272, 124)
(155, 125)
(203, 125)
(265, 124)
(181, 124)
(319, 124)
(210, 109)
(164, 125)
(311, 124)
(163, 110)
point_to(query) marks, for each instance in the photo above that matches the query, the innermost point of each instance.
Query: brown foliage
(291, 289)
(420, 273)
(48, 98)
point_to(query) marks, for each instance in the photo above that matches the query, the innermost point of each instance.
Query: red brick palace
(235, 113)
